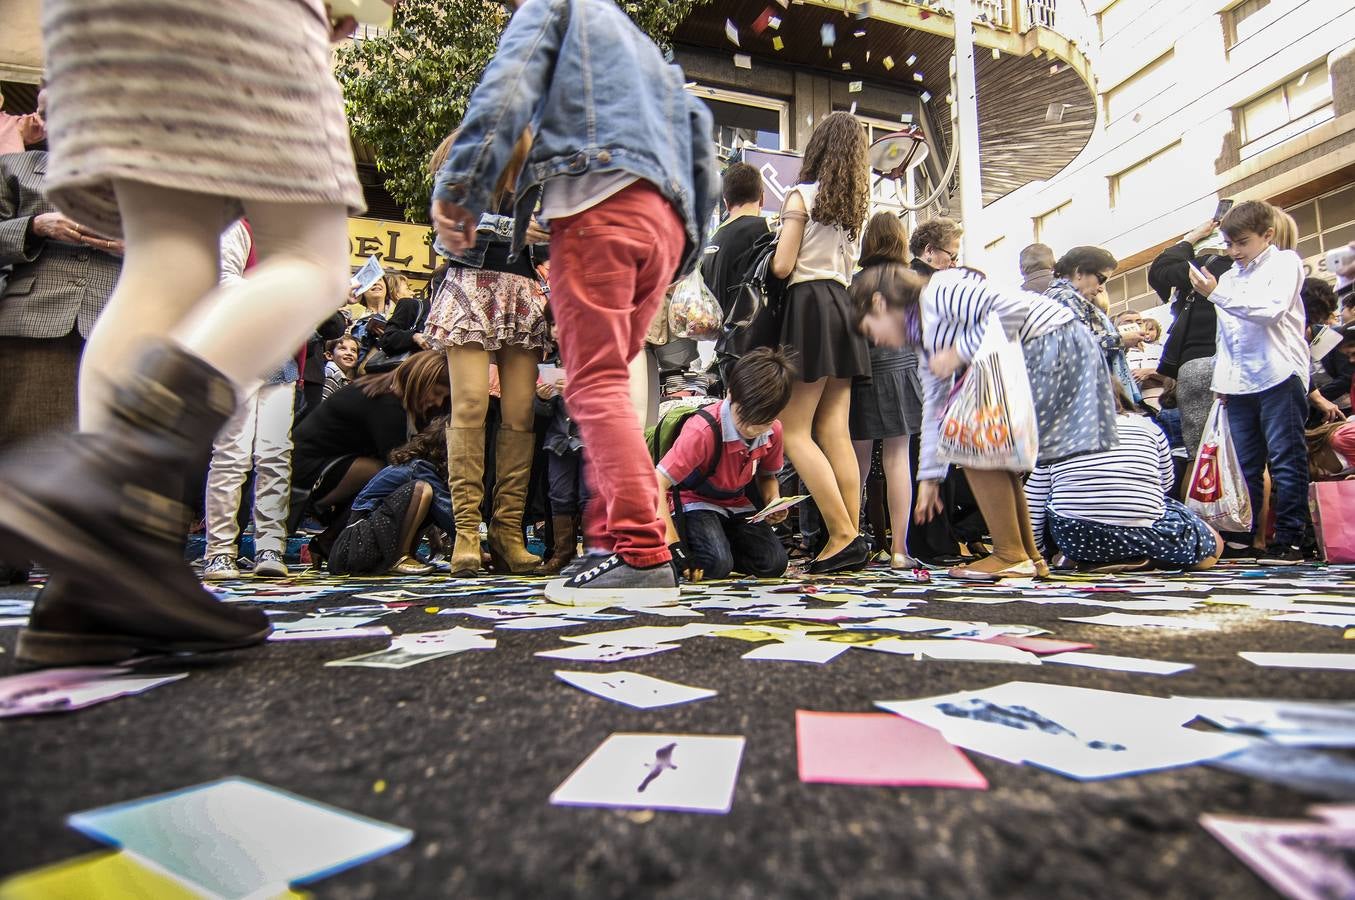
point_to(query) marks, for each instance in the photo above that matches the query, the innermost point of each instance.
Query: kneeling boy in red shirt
(719, 539)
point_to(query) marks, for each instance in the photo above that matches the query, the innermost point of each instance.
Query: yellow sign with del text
(398, 246)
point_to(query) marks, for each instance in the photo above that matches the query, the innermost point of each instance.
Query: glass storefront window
(744, 120)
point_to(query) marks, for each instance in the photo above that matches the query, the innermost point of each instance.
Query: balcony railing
(1069, 18)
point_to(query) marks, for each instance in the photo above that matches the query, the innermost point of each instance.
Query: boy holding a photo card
(714, 461)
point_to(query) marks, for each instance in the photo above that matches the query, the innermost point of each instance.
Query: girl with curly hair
(816, 253)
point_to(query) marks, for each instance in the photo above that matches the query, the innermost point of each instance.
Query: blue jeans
(1267, 430)
(719, 545)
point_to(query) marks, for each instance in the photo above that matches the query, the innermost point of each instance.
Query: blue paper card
(237, 838)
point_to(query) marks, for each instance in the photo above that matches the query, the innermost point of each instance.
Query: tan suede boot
(466, 478)
(513, 465)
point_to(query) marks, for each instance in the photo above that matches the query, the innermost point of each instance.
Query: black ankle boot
(102, 513)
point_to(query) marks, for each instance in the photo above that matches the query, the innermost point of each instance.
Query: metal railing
(1069, 18)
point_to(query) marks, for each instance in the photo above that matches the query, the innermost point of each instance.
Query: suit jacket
(53, 286)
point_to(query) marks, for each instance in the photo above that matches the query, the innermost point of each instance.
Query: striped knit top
(955, 306)
(1124, 486)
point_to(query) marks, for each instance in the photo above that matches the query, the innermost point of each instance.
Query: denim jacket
(598, 97)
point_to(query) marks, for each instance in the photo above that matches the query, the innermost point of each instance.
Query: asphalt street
(466, 750)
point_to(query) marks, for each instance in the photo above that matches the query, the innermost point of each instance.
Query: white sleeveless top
(827, 253)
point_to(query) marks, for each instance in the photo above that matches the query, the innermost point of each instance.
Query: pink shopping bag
(1333, 507)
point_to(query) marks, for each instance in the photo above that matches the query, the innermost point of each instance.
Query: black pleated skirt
(817, 326)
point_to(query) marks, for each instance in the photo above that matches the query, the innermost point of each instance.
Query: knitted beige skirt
(232, 98)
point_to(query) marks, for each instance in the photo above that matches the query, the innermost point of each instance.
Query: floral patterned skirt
(491, 309)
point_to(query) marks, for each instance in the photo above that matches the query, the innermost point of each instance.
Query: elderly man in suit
(60, 275)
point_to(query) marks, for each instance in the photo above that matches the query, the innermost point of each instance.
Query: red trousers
(610, 266)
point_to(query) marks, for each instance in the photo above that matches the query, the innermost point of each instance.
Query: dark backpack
(755, 314)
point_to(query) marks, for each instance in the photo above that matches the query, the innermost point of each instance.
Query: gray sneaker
(269, 564)
(220, 568)
(582, 564)
(611, 580)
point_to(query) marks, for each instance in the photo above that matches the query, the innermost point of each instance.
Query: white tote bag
(989, 422)
(1218, 492)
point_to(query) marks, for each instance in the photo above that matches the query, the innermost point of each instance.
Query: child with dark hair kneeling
(713, 466)
(395, 506)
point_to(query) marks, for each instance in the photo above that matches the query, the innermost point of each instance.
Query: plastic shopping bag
(1218, 492)
(694, 312)
(989, 422)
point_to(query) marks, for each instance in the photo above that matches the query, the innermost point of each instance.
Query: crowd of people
(389, 461)
(511, 403)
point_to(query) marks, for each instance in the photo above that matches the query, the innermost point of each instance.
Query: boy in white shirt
(1261, 371)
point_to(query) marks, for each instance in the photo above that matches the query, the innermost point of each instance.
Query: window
(1130, 291)
(1117, 16)
(1285, 111)
(1050, 226)
(1136, 188)
(1325, 223)
(744, 120)
(1154, 78)
(1241, 22)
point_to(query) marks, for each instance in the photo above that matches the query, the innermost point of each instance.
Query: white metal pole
(967, 139)
(909, 199)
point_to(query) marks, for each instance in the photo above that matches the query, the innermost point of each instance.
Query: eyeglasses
(954, 257)
(1101, 279)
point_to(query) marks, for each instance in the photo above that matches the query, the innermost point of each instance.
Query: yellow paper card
(105, 876)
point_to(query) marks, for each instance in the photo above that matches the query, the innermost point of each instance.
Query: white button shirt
(1260, 314)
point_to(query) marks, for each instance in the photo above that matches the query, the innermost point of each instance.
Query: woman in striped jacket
(945, 315)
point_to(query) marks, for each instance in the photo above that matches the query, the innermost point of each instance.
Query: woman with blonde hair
(816, 253)
(491, 308)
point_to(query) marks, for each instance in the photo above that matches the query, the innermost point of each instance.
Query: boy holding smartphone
(1261, 370)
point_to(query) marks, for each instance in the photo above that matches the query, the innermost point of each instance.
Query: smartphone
(1196, 269)
(1222, 209)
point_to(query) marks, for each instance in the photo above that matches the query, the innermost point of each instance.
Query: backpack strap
(699, 482)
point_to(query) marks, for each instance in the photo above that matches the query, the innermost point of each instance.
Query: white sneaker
(269, 564)
(220, 568)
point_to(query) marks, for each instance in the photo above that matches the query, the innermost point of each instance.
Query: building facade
(1198, 100)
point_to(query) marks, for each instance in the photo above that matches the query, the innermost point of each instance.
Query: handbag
(1217, 490)
(1333, 507)
(754, 318)
(1169, 364)
(989, 421)
(378, 360)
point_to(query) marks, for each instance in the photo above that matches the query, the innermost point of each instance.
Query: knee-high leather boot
(466, 477)
(513, 474)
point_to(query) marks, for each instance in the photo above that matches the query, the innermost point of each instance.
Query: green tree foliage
(406, 89)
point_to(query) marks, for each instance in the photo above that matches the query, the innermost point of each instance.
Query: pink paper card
(876, 748)
(1038, 646)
